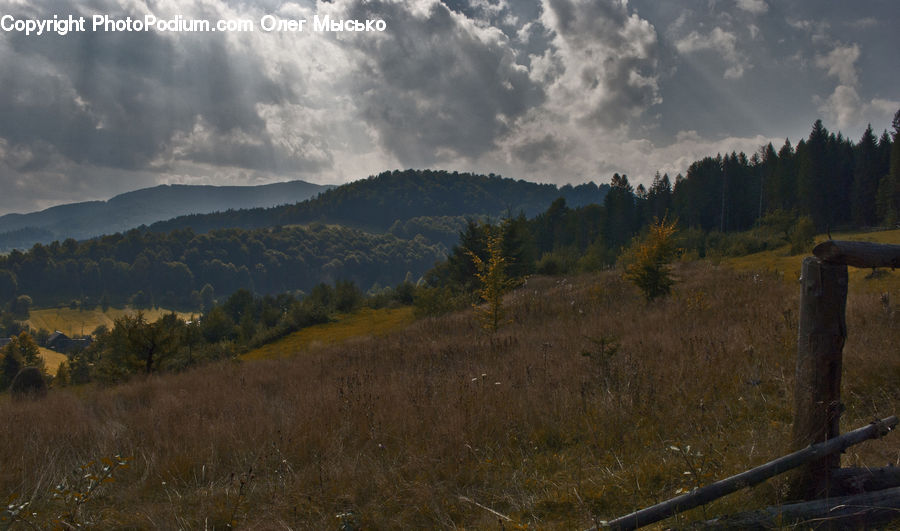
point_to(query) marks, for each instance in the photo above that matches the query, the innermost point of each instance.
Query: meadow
(76, 322)
(587, 404)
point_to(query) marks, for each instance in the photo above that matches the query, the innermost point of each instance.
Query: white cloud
(601, 66)
(864, 23)
(846, 109)
(841, 63)
(816, 29)
(719, 41)
(757, 7)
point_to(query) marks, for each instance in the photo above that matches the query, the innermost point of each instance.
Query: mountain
(143, 207)
(436, 202)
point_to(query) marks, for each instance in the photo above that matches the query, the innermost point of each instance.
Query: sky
(561, 91)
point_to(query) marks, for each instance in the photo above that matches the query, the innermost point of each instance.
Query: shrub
(29, 383)
(432, 302)
(802, 234)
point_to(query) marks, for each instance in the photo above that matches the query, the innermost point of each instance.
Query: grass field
(52, 359)
(78, 322)
(789, 266)
(358, 326)
(589, 404)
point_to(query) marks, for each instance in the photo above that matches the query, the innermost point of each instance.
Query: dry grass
(79, 322)
(395, 431)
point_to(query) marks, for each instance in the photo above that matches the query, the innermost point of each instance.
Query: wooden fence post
(817, 389)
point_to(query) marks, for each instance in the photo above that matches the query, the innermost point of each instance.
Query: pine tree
(785, 179)
(812, 175)
(865, 180)
(888, 201)
(620, 212)
(10, 366)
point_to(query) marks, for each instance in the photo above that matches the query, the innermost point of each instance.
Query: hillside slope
(143, 207)
(378, 202)
(588, 404)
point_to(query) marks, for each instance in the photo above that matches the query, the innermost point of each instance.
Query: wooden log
(858, 511)
(858, 480)
(817, 385)
(751, 477)
(859, 254)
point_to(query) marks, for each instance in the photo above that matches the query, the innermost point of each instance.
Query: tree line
(825, 182)
(729, 205)
(173, 270)
(378, 202)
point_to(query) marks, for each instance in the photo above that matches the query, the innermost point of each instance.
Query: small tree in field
(649, 269)
(494, 280)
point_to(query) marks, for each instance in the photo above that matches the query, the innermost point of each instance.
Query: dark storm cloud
(118, 99)
(544, 149)
(437, 86)
(541, 89)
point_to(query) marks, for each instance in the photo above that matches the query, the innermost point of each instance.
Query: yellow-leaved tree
(494, 280)
(648, 266)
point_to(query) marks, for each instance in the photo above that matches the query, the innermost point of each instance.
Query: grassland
(590, 403)
(359, 326)
(779, 260)
(75, 322)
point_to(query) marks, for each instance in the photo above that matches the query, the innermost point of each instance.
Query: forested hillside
(826, 182)
(378, 202)
(142, 207)
(146, 268)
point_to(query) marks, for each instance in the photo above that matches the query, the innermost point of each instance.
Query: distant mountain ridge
(143, 207)
(378, 203)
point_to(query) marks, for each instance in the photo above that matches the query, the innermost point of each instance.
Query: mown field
(76, 322)
(589, 403)
(52, 359)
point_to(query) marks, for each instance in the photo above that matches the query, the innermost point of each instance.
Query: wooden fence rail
(858, 254)
(751, 477)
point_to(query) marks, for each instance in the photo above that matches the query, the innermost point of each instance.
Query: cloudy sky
(547, 90)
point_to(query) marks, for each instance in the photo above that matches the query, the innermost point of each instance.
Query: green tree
(649, 261)
(802, 235)
(8, 286)
(217, 326)
(135, 345)
(28, 350)
(20, 307)
(865, 180)
(10, 366)
(207, 297)
(888, 202)
(347, 297)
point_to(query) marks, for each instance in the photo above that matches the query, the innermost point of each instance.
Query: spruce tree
(865, 180)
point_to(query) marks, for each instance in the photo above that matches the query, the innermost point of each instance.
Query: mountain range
(143, 207)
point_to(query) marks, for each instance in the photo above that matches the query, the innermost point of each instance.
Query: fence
(816, 437)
